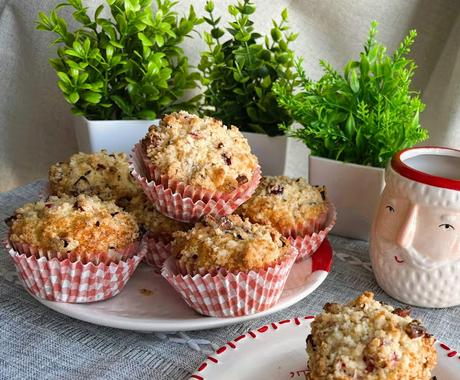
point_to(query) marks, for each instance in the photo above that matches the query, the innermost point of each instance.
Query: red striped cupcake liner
(183, 202)
(309, 236)
(158, 250)
(227, 294)
(72, 281)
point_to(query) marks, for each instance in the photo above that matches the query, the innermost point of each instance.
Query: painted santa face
(420, 235)
(415, 245)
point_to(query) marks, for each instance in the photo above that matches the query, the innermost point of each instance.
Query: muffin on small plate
(102, 174)
(191, 167)
(367, 340)
(74, 249)
(159, 230)
(296, 209)
(229, 266)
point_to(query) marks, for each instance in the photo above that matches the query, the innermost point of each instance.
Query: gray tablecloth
(38, 343)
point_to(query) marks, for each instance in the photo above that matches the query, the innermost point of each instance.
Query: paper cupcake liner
(309, 236)
(95, 258)
(183, 202)
(227, 294)
(158, 250)
(74, 282)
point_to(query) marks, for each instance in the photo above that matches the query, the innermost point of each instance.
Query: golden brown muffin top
(231, 243)
(102, 174)
(200, 152)
(82, 224)
(284, 202)
(153, 221)
(367, 340)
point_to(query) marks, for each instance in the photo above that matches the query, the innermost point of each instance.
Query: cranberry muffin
(102, 174)
(285, 203)
(230, 243)
(81, 228)
(201, 152)
(368, 340)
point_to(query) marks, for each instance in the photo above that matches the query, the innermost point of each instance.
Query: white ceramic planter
(113, 135)
(279, 155)
(354, 190)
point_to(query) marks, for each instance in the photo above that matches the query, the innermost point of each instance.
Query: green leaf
(354, 82)
(350, 126)
(92, 97)
(144, 39)
(73, 97)
(98, 11)
(64, 77)
(159, 40)
(122, 104)
(209, 7)
(232, 10)
(147, 115)
(284, 14)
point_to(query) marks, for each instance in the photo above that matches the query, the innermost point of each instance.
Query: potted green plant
(353, 122)
(120, 73)
(239, 69)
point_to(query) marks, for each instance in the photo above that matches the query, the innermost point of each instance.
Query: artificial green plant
(363, 115)
(128, 66)
(240, 67)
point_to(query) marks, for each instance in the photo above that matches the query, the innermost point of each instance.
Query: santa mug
(415, 237)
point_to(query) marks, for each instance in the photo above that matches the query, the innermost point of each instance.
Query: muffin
(367, 340)
(229, 266)
(200, 152)
(159, 229)
(76, 228)
(293, 207)
(74, 249)
(190, 167)
(102, 174)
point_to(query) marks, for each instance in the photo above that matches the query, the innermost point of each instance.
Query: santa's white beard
(416, 281)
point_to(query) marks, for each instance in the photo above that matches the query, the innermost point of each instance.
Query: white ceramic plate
(148, 303)
(277, 352)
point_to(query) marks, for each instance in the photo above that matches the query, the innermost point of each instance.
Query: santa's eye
(447, 226)
(390, 208)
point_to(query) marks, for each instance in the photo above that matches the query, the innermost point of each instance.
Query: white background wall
(35, 121)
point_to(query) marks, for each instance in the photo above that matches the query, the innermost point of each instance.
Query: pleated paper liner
(226, 294)
(106, 258)
(183, 202)
(46, 276)
(158, 250)
(308, 236)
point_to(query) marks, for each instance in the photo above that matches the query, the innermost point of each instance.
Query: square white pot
(113, 135)
(279, 155)
(354, 190)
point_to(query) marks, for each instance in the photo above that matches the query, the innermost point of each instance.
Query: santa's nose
(407, 229)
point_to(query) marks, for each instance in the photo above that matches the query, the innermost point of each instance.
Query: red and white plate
(148, 303)
(277, 352)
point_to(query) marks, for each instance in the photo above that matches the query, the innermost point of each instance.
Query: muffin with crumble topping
(196, 165)
(74, 249)
(229, 266)
(293, 207)
(76, 228)
(367, 340)
(102, 174)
